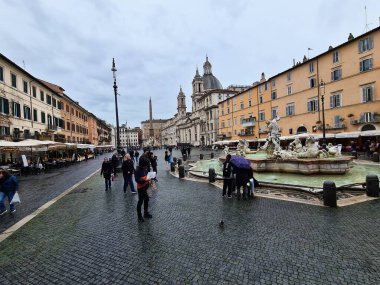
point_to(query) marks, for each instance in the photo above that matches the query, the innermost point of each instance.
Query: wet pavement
(92, 237)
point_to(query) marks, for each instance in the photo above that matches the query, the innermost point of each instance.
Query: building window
(229, 123)
(366, 64)
(266, 86)
(367, 117)
(67, 108)
(336, 100)
(14, 80)
(68, 126)
(73, 127)
(289, 89)
(311, 67)
(228, 110)
(222, 112)
(367, 93)
(259, 88)
(235, 122)
(335, 56)
(289, 109)
(289, 76)
(27, 114)
(35, 117)
(42, 95)
(249, 103)
(241, 105)
(312, 82)
(312, 105)
(261, 99)
(34, 91)
(365, 44)
(43, 117)
(336, 74)
(274, 112)
(54, 103)
(1, 74)
(4, 106)
(16, 109)
(48, 99)
(273, 82)
(25, 86)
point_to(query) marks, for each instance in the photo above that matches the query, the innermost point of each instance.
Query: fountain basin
(339, 165)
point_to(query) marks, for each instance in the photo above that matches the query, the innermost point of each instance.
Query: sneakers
(224, 195)
(134, 192)
(12, 211)
(3, 212)
(141, 219)
(229, 196)
(148, 216)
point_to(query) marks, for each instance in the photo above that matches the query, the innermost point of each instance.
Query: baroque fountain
(296, 158)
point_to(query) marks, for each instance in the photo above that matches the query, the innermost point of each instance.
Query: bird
(221, 224)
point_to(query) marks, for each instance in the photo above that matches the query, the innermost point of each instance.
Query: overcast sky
(158, 44)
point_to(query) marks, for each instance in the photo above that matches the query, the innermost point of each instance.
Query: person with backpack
(8, 188)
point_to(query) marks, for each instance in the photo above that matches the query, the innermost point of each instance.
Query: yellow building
(340, 84)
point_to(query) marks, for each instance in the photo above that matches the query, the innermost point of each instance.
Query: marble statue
(273, 140)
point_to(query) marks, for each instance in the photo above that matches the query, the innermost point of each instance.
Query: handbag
(15, 199)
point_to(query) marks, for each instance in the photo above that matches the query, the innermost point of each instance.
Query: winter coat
(107, 169)
(128, 167)
(243, 176)
(9, 184)
(227, 169)
(141, 177)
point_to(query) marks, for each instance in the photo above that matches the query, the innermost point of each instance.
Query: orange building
(336, 89)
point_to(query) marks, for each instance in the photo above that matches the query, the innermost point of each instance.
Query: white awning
(319, 136)
(370, 133)
(347, 135)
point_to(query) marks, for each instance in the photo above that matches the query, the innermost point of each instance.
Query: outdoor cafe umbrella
(240, 162)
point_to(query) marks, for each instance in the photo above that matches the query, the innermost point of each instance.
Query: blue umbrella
(240, 162)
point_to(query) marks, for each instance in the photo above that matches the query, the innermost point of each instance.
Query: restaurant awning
(372, 133)
(344, 135)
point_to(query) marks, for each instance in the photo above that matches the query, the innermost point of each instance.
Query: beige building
(338, 88)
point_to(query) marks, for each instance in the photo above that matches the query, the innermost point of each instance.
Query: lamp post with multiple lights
(322, 85)
(117, 112)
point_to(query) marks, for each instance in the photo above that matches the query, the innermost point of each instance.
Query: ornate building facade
(200, 126)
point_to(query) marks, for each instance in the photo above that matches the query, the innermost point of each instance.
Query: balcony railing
(334, 127)
(364, 121)
(250, 122)
(246, 134)
(51, 127)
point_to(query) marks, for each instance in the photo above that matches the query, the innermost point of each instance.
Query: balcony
(250, 122)
(51, 127)
(334, 127)
(227, 135)
(263, 131)
(364, 121)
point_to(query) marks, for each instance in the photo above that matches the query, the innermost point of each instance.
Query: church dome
(209, 80)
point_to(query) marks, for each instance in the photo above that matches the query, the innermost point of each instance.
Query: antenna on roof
(23, 64)
(366, 29)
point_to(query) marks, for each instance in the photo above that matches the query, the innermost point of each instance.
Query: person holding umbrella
(242, 170)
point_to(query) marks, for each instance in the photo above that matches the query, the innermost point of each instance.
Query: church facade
(200, 126)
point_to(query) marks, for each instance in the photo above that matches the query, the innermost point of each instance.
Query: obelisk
(151, 130)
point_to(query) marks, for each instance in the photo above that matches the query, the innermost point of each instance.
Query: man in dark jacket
(107, 172)
(227, 177)
(128, 170)
(144, 159)
(115, 162)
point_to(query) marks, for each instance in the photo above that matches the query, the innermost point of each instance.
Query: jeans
(143, 197)
(107, 182)
(8, 194)
(128, 181)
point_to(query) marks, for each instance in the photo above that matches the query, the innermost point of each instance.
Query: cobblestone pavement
(92, 237)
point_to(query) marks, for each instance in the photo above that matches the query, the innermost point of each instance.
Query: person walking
(106, 171)
(128, 170)
(188, 152)
(8, 188)
(227, 177)
(142, 181)
(137, 156)
(153, 161)
(115, 162)
(145, 158)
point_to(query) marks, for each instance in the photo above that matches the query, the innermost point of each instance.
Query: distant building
(147, 131)
(128, 137)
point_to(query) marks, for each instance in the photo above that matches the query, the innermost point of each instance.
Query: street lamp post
(323, 113)
(117, 112)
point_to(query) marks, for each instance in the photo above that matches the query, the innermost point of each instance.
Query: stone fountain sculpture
(243, 148)
(295, 148)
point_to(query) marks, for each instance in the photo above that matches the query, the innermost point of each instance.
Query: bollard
(174, 159)
(212, 155)
(172, 167)
(372, 185)
(181, 171)
(329, 194)
(211, 175)
(184, 157)
(354, 154)
(179, 161)
(375, 157)
(201, 156)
